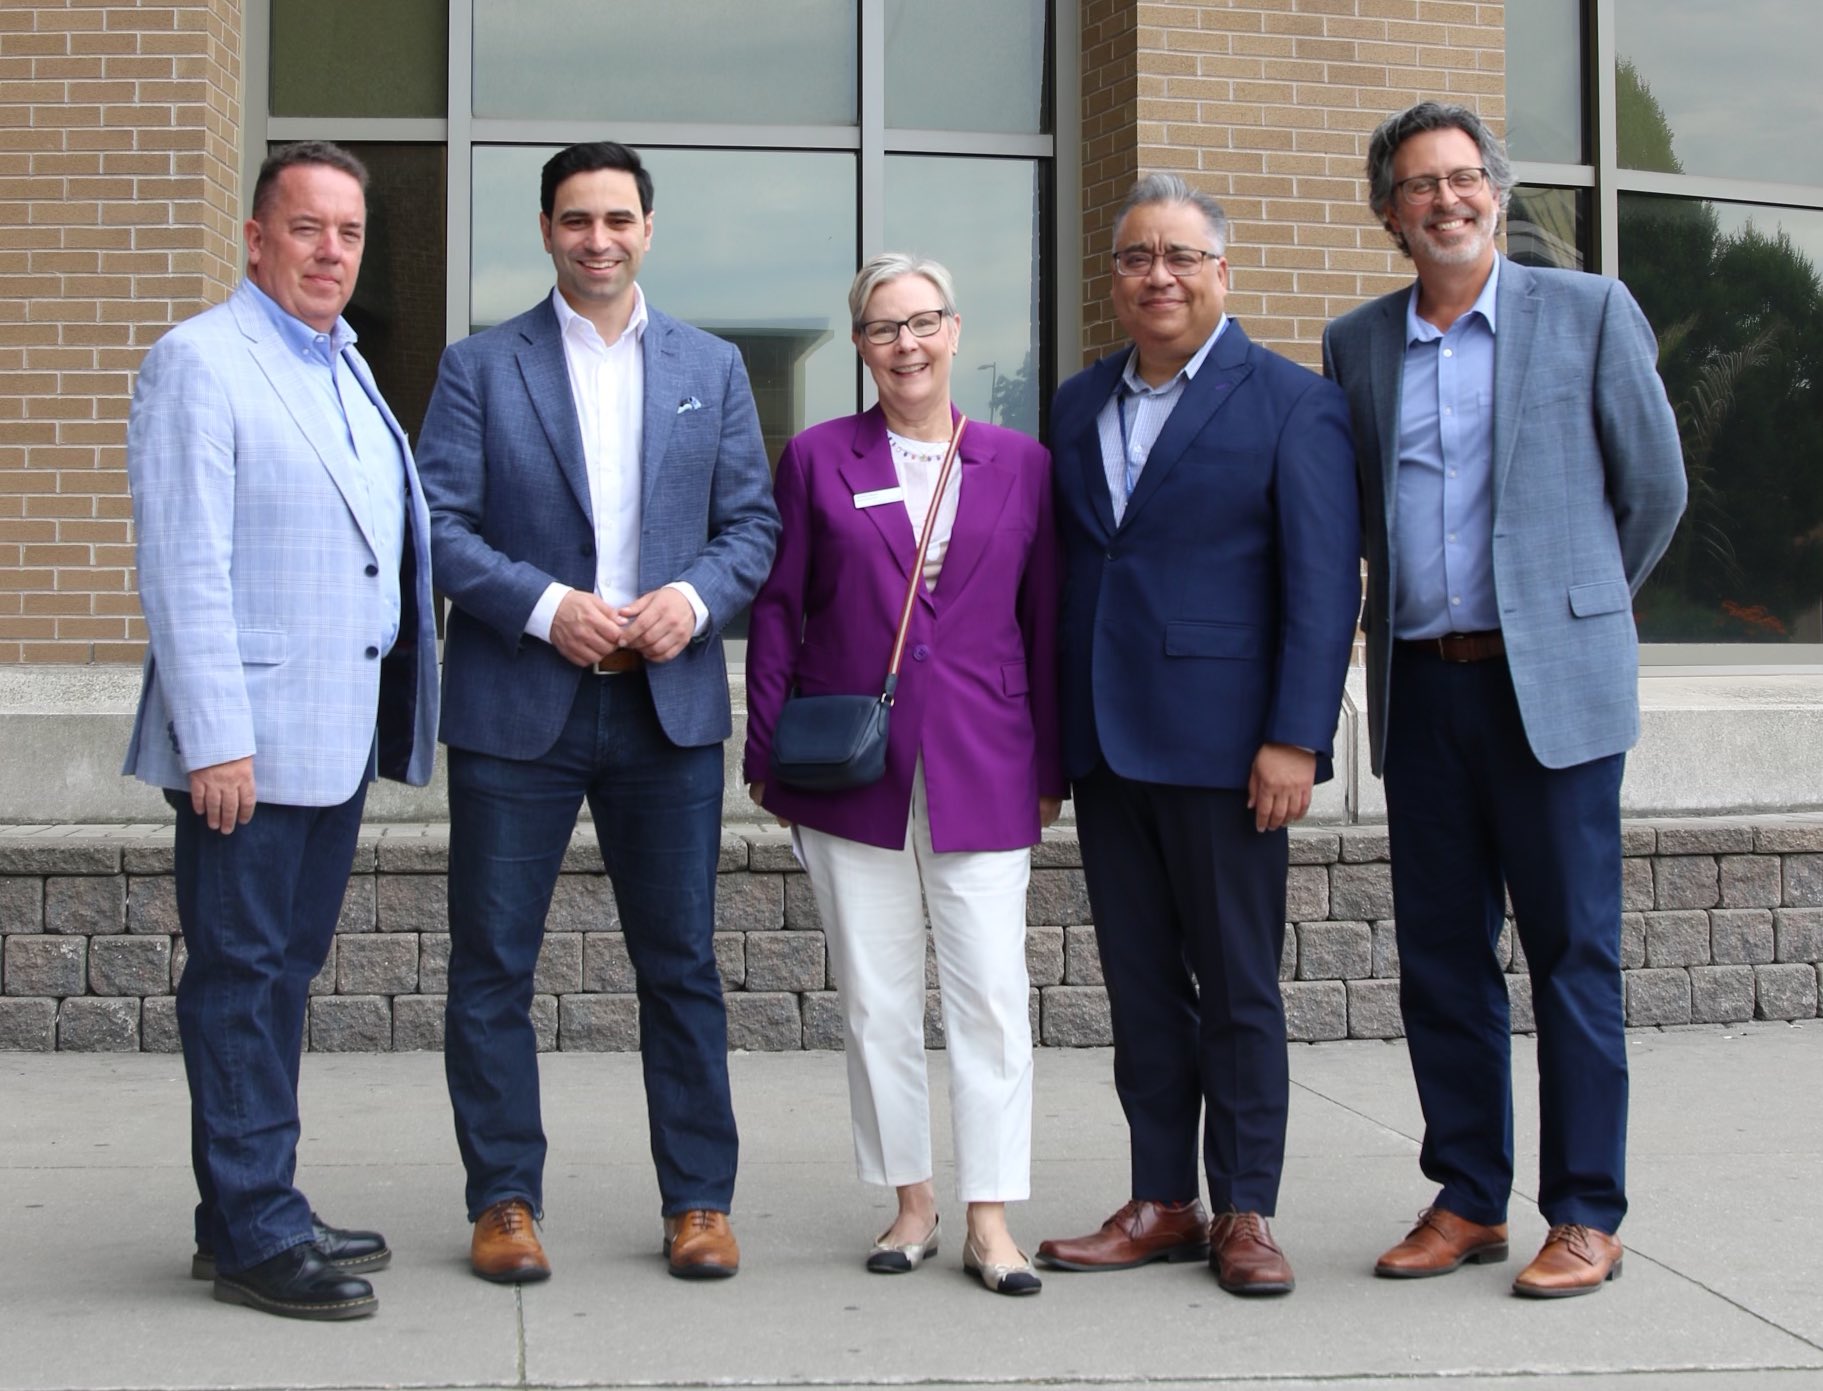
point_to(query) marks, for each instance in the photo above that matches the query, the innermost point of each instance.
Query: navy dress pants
(258, 910)
(1469, 809)
(657, 811)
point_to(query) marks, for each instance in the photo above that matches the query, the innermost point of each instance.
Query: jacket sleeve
(1040, 595)
(1641, 451)
(777, 621)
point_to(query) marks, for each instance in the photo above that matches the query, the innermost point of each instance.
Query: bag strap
(917, 570)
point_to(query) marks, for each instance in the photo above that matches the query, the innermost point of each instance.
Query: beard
(1462, 250)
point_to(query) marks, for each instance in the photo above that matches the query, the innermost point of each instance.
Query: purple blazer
(978, 686)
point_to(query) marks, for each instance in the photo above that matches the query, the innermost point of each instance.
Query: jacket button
(373, 652)
(920, 652)
(373, 570)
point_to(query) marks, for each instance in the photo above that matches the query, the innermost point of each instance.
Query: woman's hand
(1048, 810)
(757, 792)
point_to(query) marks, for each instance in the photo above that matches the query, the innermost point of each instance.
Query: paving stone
(433, 967)
(1637, 839)
(801, 904)
(42, 855)
(322, 983)
(1508, 942)
(823, 1020)
(1315, 847)
(377, 963)
(784, 961)
(1081, 958)
(1677, 939)
(1335, 951)
(1685, 881)
(351, 1024)
(413, 903)
(544, 1021)
(734, 855)
(1034, 1014)
(1058, 897)
(158, 1025)
(1520, 1019)
(1360, 892)
(1780, 992)
(91, 906)
(1798, 934)
(1307, 893)
(607, 969)
(180, 954)
(931, 982)
(417, 1024)
(598, 1024)
(28, 1026)
(1057, 848)
(1751, 881)
(1721, 994)
(1075, 1016)
(1740, 936)
(1636, 894)
(423, 854)
(365, 858)
(583, 856)
(130, 965)
(152, 855)
(1288, 953)
(1632, 941)
(765, 1023)
(1386, 950)
(730, 959)
(1658, 997)
(768, 850)
(1803, 884)
(1516, 962)
(1695, 837)
(1315, 1010)
(1046, 953)
(360, 911)
(45, 965)
(582, 903)
(21, 904)
(90, 1024)
(559, 969)
(152, 905)
(1789, 838)
(749, 902)
(1373, 1009)
(934, 1036)
(1366, 846)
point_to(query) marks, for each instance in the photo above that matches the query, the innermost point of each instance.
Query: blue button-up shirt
(379, 467)
(1135, 415)
(1444, 511)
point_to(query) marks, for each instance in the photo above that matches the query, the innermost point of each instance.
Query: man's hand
(660, 624)
(1279, 789)
(757, 791)
(585, 629)
(1049, 808)
(222, 793)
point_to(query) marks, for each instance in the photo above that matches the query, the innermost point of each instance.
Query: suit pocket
(261, 647)
(1012, 679)
(1234, 641)
(1604, 596)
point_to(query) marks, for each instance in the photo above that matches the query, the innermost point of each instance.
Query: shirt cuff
(539, 624)
(697, 606)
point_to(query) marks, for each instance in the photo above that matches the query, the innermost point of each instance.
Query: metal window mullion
(256, 94)
(401, 130)
(1719, 190)
(459, 171)
(955, 142)
(1541, 175)
(1066, 186)
(502, 130)
(870, 223)
(1606, 210)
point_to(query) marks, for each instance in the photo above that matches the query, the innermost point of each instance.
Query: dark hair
(585, 159)
(1396, 129)
(1173, 189)
(322, 152)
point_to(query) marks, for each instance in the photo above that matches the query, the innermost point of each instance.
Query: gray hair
(1396, 129)
(1171, 188)
(303, 152)
(895, 265)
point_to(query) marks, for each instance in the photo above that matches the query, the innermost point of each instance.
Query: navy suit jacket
(503, 466)
(1219, 614)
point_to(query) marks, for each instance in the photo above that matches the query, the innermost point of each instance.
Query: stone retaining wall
(1723, 923)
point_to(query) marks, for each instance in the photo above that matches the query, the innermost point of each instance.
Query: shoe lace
(698, 1219)
(1127, 1219)
(508, 1219)
(1248, 1226)
(1575, 1238)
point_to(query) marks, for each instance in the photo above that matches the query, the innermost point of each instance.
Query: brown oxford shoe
(1439, 1244)
(700, 1245)
(1574, 1260)
(1245, 1258)
(1139, 1233)
(506, 1248)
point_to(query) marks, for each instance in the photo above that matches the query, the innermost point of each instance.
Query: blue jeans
(657, 810)
(258, 910)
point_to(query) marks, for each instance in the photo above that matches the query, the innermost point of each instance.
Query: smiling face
(910, 373)
(1452, 229)
(597, 237)
(1168, 318)
(304, 247)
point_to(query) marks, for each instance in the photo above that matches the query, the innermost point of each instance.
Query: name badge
(879, 497)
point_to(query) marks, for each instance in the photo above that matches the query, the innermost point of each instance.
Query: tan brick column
(119, 216)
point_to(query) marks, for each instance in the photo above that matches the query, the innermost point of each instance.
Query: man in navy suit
(1521, 476)
(1206, 505)
(600, 509)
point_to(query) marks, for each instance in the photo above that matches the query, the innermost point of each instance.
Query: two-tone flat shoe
(1001, 1279)
(902, 1257)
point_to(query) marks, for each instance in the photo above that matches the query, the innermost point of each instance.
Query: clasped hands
(658, 625)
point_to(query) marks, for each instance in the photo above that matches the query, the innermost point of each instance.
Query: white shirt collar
(569, 321)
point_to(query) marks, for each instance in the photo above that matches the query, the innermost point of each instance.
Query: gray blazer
(1588, 488)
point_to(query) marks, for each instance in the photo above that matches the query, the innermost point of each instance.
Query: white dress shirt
(917, 464)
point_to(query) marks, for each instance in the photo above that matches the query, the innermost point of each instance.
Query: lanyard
(1130, 466)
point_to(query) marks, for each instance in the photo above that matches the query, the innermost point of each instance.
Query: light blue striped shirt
(1134, 416)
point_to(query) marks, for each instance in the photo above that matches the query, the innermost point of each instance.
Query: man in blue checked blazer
(600, 509)
(284, 570)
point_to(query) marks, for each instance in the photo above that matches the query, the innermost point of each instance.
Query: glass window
(964, 65)
(1549, 227)
(359, 58)
(784, 62)
(1545, 109)
(1722, 89)
(983, 219)
(1733, 292)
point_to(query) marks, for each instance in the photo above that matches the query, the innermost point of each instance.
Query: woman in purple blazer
(972, 767)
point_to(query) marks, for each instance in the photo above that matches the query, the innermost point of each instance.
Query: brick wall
(119, 198)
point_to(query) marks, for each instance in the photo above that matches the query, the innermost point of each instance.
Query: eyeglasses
(1422, 189)
(884, 331)
(1181, 261)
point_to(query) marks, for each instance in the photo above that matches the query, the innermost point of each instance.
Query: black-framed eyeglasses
(922, 325)
(1415, 192)
(1181, 261)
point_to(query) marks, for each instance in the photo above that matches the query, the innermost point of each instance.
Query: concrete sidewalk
(1723, 1281)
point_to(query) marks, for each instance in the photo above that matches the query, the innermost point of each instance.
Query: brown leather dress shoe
(505, 1248)
(1139, 1233)
(1439, 1244)
(1574, 1260)
(1245, 1258)
(700, 1245)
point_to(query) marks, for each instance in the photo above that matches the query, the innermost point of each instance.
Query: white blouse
(917, 464)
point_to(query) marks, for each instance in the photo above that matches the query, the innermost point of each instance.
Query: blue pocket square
(689, 403)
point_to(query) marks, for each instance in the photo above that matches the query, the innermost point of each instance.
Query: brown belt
(1457, 647)
(619, 660)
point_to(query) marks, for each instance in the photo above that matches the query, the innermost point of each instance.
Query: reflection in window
(784, 62)
(1545, 81)
(360, 58)
(1548, 227)
(983, 219)
(1734, 295)
(965, 65)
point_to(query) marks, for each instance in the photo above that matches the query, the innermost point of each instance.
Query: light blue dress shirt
(1134, 416)
(1443, 516)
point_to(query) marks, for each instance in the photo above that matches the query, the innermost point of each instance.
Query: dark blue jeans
(657, 810)
(258, 910)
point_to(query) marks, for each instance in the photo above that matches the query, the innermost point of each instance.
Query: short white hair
(896, 265)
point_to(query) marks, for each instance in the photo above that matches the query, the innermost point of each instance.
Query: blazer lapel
(547, 383)
(1096, 392)
(869, 470)
(664, 393)
(1386, 381)
(986, 485)
(1228, 365)
(1516, 329)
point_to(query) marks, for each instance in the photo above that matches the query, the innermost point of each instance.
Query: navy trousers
(258, 910)
(1189, 905)
(657, 811)
(1469, 809)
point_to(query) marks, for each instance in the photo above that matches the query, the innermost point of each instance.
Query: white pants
(872, 918)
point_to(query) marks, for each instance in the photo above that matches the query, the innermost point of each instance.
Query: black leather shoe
(298, 1284)
(352, 1252)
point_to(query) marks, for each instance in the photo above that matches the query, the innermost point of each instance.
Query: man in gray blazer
(601, 507)
(1520, 475)
(284, 569)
